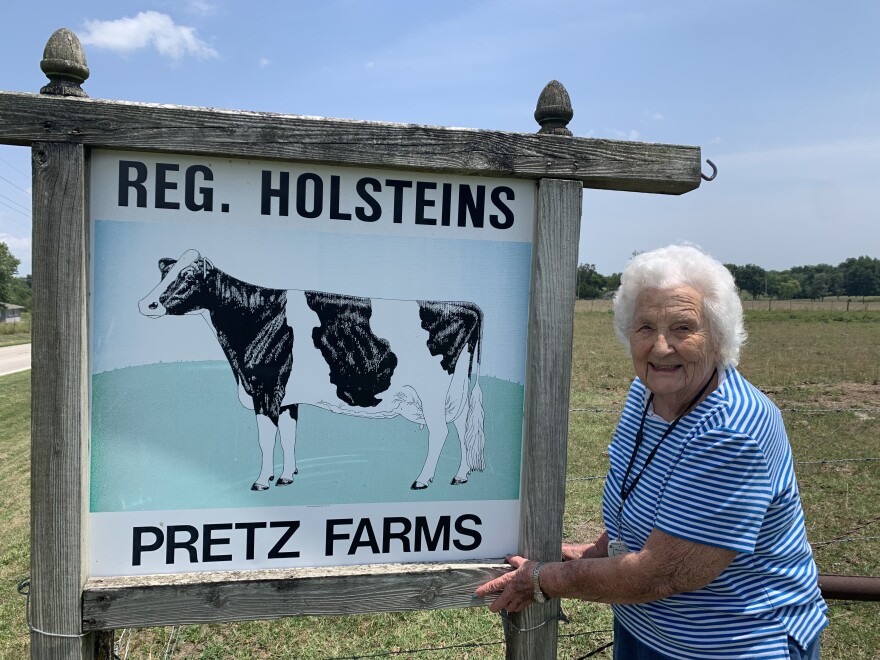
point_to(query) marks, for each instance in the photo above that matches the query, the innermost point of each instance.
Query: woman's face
(672, 349)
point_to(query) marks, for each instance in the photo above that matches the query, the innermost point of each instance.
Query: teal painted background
(174, 436)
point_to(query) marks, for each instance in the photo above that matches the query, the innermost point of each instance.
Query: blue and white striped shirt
(723, 477)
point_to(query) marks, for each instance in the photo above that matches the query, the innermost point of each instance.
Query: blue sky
(783, 96)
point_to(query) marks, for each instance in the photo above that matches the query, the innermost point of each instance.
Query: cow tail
(474, 439)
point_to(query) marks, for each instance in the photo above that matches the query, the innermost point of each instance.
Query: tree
(788, 288)
(861, 276)
(590, 284)
(8, 268)
(816, 286)
(21, 292)
(612, 282)
(751, 278)
(772, 282)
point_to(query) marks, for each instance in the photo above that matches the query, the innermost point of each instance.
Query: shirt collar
(654, 417)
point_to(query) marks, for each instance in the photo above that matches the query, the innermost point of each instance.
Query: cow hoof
(283, 482)
(272, 478)
(417, 485)
(257, 486)
(296, 470)
(456, 481)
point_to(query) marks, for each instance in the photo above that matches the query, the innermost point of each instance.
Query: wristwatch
(536, 584)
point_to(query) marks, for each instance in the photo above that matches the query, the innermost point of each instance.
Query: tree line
(855, 277)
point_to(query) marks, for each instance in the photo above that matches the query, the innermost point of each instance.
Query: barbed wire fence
(123, 641)
(123, 645)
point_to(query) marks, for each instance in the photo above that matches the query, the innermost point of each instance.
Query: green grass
(15, 392)
(16, 333)
(806, 361)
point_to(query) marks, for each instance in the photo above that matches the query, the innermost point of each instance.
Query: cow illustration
(368, 357)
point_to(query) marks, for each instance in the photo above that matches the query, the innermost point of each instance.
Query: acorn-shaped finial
(64, 63)
(554, 111)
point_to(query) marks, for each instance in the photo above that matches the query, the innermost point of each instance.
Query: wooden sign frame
(66, 606)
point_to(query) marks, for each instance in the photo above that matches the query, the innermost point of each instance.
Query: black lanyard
(624, 491)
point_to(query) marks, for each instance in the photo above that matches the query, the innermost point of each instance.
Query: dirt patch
(851, 395)
(846, 396)
(845, 469)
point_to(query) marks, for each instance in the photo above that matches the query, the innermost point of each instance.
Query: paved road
(15, 358)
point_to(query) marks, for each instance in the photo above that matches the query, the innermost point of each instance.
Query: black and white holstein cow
(368, 357)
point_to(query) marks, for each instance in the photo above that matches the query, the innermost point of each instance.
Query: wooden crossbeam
(197, 598)
(603, 164)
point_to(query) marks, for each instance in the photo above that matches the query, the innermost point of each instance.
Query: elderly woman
(704, 553)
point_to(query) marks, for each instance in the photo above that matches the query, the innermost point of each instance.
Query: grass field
(821, 367)
(16, 333)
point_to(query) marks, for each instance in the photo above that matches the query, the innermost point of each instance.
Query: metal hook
(714, 171)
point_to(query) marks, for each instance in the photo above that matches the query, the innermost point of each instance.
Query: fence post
(551, 324)
(59, 376)
(59, 408)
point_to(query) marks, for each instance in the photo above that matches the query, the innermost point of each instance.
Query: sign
(302, 365)
(197, 461)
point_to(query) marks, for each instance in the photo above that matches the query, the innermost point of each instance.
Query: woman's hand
(573, 551)
(665, 566)
(516, 587)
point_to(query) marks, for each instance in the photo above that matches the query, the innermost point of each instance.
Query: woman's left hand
(515, 587)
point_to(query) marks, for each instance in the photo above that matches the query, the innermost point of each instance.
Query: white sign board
(297, 365)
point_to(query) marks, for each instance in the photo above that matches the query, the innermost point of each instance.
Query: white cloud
(632, 134)
(147, 29)
(201, 7)
(264, 62)
(657, 116)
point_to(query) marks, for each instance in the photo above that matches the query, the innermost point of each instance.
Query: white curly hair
(685, 265)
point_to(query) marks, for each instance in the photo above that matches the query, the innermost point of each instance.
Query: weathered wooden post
(59, 412)
(518, 191)
(551, 322)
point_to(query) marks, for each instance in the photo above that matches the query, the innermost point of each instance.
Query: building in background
(10, 313)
